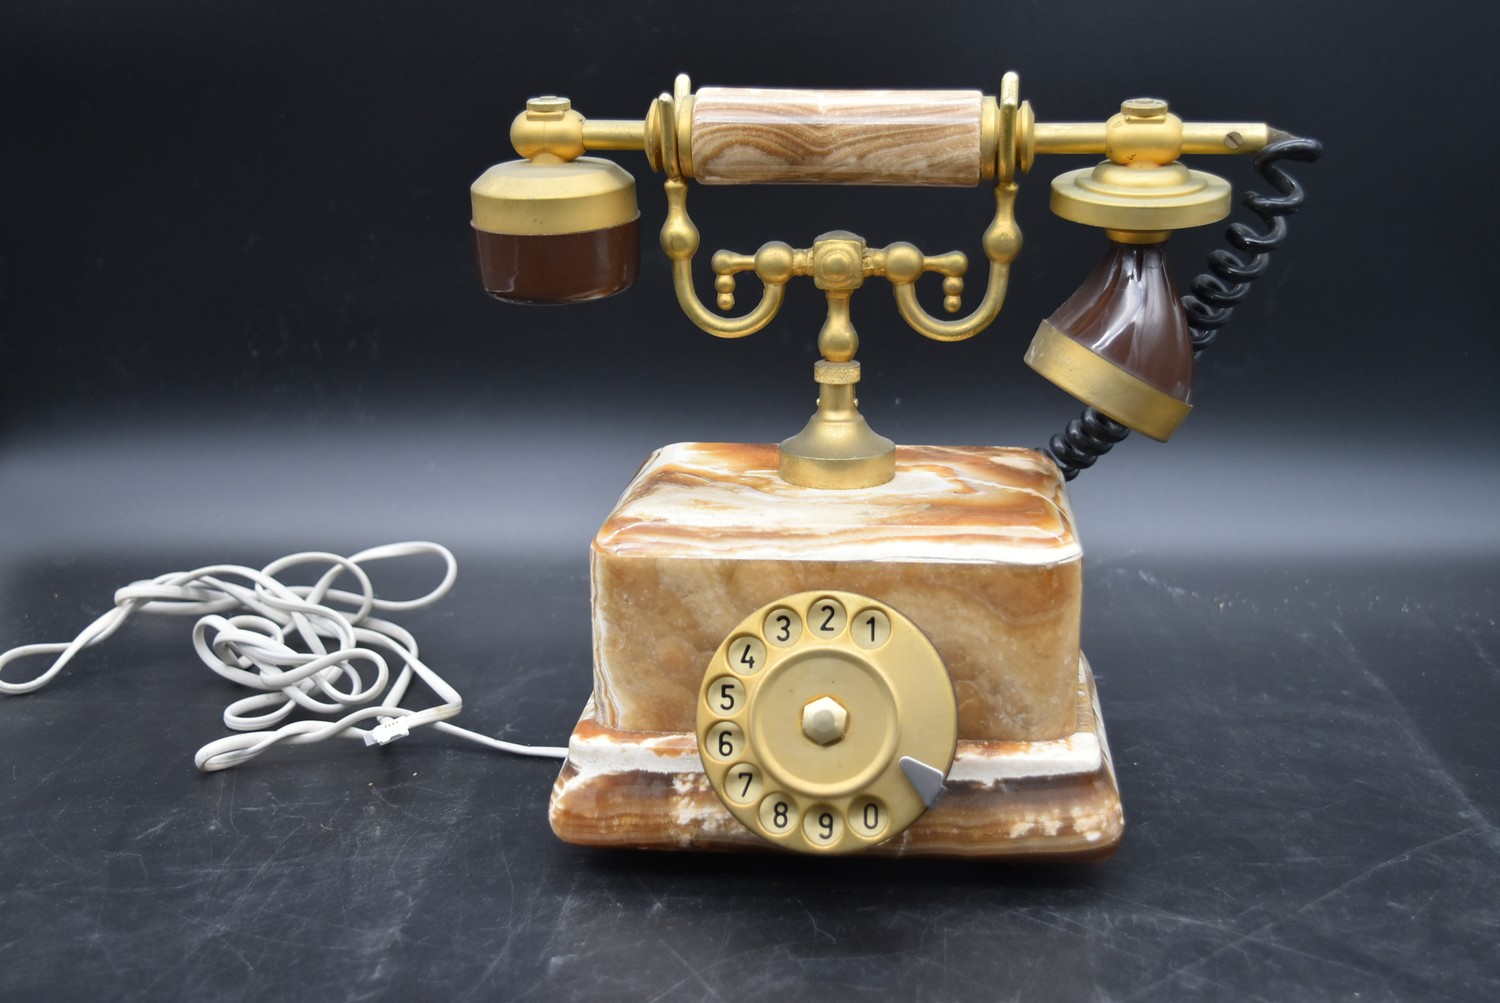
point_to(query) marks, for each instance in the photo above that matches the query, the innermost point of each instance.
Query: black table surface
(1305, 751)
(238, 317)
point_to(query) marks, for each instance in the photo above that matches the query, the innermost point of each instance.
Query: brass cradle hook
(557, 226)
(837, 448)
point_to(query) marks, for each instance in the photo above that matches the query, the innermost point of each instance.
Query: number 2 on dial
(828, 617)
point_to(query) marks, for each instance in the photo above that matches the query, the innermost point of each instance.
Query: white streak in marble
(644, 752)
(696, 810)
(1076, 754)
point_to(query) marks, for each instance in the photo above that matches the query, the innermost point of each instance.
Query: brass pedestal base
(1054, 799)
(837, 449)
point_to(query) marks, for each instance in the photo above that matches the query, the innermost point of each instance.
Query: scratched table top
(238, 317)
(1306, 757)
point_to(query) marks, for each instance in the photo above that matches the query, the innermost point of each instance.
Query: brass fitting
(1144, 134)
(1141, 192)
(838, 261)
(549, 131)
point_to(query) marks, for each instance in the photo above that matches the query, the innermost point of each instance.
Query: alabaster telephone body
(838, 644)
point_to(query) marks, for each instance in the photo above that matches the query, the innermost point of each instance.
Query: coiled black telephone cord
(1214, 295)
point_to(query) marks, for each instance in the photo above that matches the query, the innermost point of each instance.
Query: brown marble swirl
(974, 544)
(748, 135)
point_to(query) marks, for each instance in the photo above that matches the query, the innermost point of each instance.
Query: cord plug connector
(387, 731)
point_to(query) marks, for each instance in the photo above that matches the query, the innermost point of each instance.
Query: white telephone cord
(249, 622)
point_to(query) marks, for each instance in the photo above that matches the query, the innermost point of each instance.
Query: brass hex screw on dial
(824, 720)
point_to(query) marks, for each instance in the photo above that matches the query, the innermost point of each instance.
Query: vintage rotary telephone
(838, 644)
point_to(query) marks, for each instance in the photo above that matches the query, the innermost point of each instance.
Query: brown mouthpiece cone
(1128, 313)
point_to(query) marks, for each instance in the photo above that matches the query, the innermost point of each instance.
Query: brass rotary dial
(827, 722)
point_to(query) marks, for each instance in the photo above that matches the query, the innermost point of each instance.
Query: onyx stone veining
(975, 545)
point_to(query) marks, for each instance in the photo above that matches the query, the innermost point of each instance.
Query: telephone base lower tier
(1054, 799)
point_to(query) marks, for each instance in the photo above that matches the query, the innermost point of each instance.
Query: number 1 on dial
(871, 629)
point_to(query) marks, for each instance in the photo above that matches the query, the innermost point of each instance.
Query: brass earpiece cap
(526, 198)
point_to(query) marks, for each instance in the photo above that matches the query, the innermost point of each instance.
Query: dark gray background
(239, 317)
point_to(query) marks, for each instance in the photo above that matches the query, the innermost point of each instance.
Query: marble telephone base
(974, 546)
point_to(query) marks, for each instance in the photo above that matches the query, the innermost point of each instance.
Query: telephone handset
(838, 644)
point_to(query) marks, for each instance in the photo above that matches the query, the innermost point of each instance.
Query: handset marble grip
(877, 137)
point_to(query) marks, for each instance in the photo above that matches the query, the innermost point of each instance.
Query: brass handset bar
(950, 116)
(959, 138)
(614, 134)
(1198, 138)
